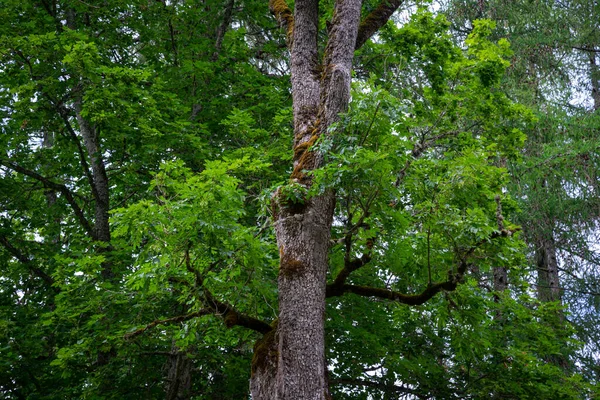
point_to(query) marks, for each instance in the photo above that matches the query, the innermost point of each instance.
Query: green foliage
(192, 111)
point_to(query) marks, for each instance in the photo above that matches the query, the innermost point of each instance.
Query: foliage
(190, 101)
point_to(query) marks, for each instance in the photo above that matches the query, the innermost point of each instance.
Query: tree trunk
(302, 228)
(595, 78)
(547, 268)
(100, 190)
(179, 375)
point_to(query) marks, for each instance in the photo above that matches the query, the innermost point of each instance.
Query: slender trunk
(547, 268)
(100, 190)
(595, 78)
(500, 273)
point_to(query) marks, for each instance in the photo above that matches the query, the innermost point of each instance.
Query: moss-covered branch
(284, 16)
(375, 20)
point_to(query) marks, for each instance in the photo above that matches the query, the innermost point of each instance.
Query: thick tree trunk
(320, 93)
(179, 375)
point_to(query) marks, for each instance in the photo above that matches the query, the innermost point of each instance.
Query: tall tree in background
(554, 71)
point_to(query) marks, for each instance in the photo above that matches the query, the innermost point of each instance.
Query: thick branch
(59, 188)
(231, 316)
(454, 278)
(284, 17)
(173, 320)
(375, 20)
(410, 299)
(349, 267)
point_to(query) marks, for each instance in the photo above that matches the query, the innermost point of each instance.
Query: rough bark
(179, 375)
(100, 189)
(320, 93)
(263, 384)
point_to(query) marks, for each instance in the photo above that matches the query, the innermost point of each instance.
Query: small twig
(364, 138)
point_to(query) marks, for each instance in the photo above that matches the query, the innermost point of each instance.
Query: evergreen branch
(173, 320)
(59, 188)
(375, 20)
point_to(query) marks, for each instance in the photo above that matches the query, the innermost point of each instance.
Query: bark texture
(547, 267)
(179, 375)
(290, 362)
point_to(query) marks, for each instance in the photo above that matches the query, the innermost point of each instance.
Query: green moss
(265, 350)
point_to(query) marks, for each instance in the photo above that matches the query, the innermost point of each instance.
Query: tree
(146, 152)
(553, 73)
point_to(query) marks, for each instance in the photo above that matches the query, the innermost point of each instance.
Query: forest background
(151, 156)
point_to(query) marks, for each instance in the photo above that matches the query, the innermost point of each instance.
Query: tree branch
(338, 288)
(230, 315)
(179, 318)
(375, 20)
(349, 267)
(284, 16)
(23, 259)
(59, 188)
(377, 385)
